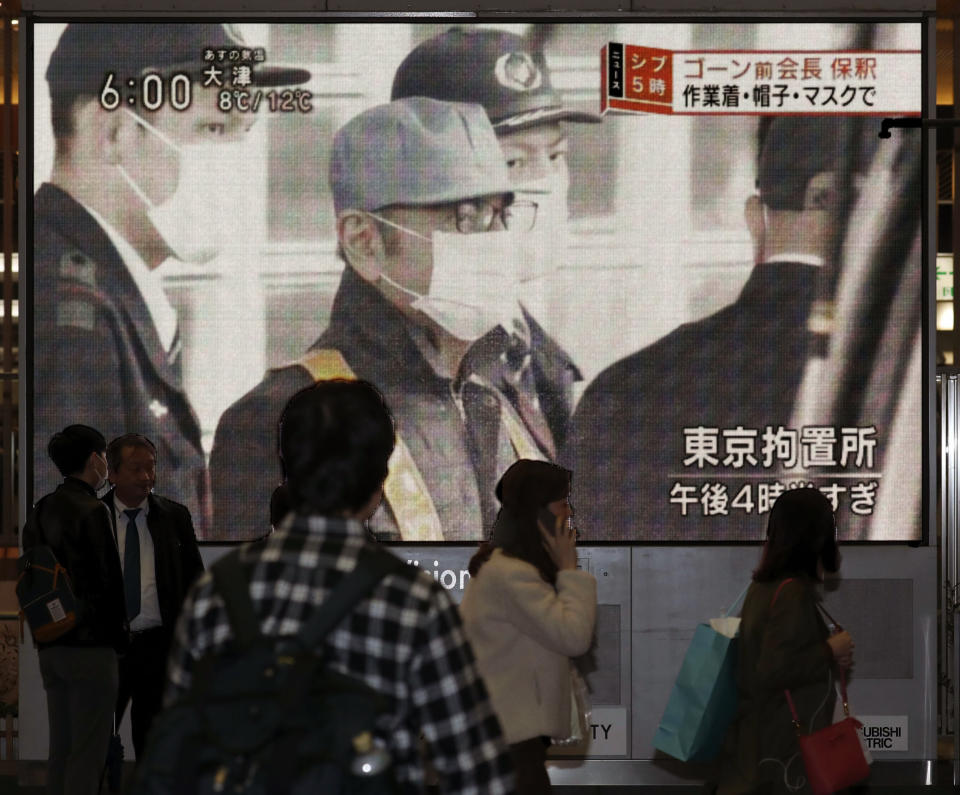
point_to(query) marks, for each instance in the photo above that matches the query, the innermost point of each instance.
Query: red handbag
(832, 756)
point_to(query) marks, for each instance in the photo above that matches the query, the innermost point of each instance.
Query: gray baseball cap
(416, 152)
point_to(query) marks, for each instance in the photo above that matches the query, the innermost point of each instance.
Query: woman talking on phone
(527, 610)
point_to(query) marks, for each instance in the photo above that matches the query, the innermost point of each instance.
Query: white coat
(523, 632)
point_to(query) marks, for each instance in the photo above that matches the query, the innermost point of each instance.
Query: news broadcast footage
(675, 258)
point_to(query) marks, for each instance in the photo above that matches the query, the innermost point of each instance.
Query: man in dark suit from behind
(79, 668)
(158, 550)
(742, 366)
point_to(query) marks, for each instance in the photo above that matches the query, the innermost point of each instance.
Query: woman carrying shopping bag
(785, 645)
(527, 610)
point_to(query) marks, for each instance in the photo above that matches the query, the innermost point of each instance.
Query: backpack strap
(372, 566)
(231, 582)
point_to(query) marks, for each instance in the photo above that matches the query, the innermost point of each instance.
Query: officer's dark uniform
(97, 357)
(459, 456)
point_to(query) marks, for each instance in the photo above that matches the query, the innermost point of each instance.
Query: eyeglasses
(479, 216)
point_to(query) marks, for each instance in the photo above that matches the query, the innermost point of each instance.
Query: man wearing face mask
(502, 72)
(739, 368)
(129, 188)
(428, 226)
(79, 668)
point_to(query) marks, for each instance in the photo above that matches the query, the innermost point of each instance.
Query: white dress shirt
(149, 282)
(796, 256)
(149, 615)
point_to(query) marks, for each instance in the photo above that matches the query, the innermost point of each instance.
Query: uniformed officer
(642, 423)
(502, 72)
(424, 208)
(129, 188)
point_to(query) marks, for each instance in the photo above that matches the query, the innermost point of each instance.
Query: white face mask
(101, 479)
(543, 248)
(201, 215)
(473, 287)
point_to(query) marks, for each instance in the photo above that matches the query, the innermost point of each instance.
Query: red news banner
(745, 82)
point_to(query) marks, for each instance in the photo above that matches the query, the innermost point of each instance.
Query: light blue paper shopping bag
(703, 701)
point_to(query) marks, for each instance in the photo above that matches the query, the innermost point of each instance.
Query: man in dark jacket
(160, 558)
(422, 195)
(672, 441)
(79, 669)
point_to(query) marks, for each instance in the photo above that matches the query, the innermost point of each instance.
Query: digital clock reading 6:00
(150, 90)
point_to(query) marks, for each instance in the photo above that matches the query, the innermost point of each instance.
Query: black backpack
(47, 601)
(265, 717)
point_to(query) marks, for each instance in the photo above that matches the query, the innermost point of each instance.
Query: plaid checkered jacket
(405, 641)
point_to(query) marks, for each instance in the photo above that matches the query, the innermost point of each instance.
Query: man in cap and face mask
(737, 371)
(130, 187)
(425, 224)
(502, 72)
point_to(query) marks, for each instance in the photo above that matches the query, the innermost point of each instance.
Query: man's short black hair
(70, 448)
(115, 448)
(336, 438)
(791, 150)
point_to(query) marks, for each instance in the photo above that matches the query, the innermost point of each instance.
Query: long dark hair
(525, 488)
(801, 532)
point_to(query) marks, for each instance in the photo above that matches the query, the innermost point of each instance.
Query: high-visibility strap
(404, 489)
(521, 440)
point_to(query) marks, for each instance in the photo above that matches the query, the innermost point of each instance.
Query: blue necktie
(131, 565)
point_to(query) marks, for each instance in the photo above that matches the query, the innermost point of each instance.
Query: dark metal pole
(955, 219)
(8, 528)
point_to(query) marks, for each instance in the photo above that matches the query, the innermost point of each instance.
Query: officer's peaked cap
(494, 68)
(87, 52)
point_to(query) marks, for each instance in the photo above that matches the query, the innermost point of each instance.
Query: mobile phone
(549, 520)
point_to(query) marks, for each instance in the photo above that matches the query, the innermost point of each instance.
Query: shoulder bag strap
(830, 618)
(41, 534)
(779, 588)
(841, 674)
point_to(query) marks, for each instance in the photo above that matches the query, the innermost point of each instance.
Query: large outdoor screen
(675, 258)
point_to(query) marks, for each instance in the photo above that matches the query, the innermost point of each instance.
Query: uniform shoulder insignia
(78, 267)
(76, 313)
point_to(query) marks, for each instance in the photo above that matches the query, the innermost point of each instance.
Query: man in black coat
(687, 435)
(160, 557)
(127, 192)
(79, 668)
